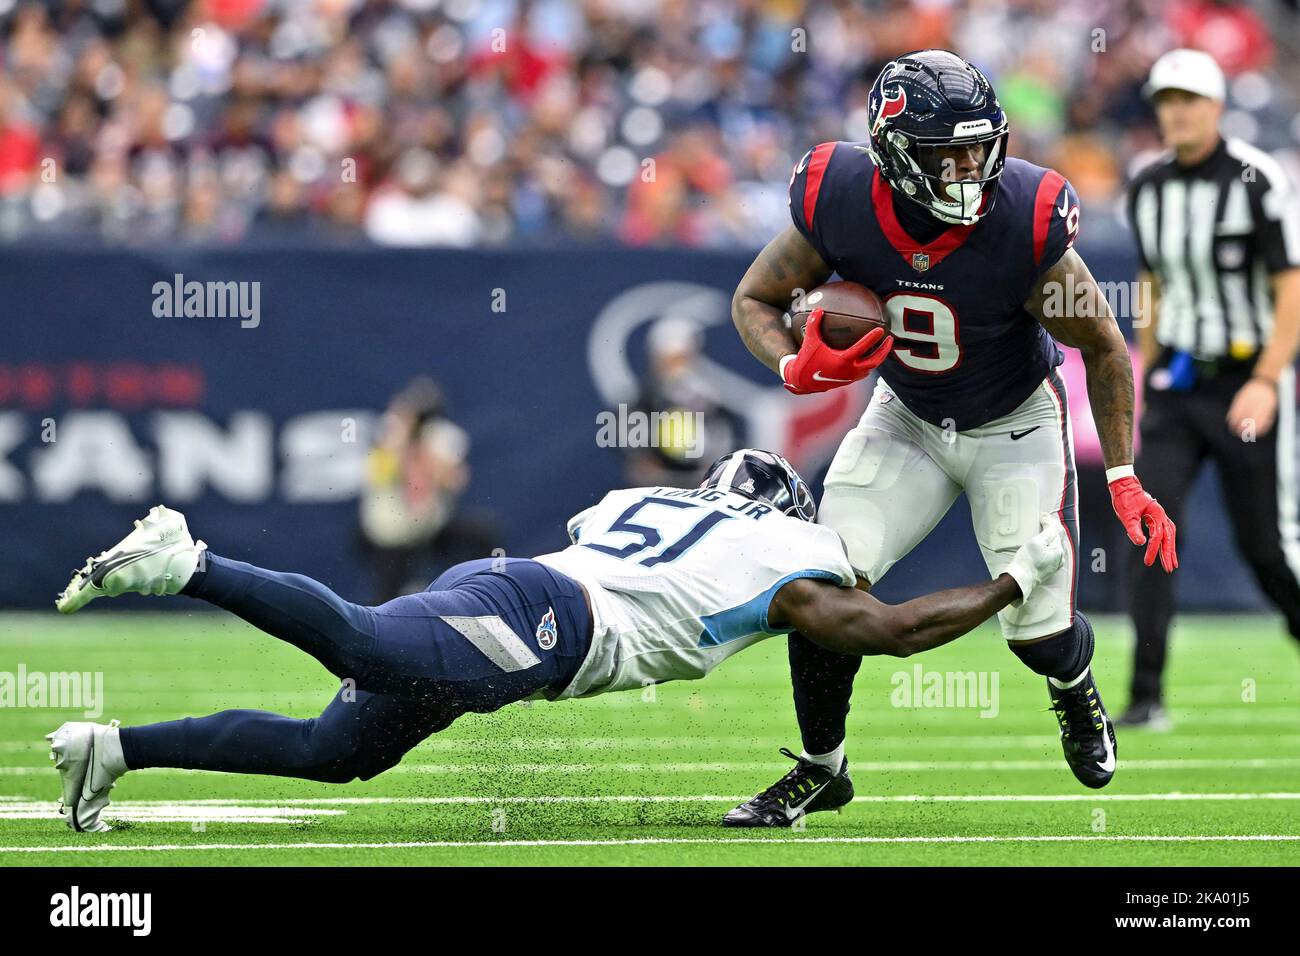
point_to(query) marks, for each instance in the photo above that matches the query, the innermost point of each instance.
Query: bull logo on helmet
(890, 106)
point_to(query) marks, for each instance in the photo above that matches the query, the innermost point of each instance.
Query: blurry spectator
(411, 523)
(285, 212)
(1228, 30)
(432, 122)
(677, 392)
(1088, 163)
(19, 144)
(672, 200)
(416, 210)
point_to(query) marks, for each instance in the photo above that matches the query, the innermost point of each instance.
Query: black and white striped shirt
(1214, 234)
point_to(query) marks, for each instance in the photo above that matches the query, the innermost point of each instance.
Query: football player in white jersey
(659, 584)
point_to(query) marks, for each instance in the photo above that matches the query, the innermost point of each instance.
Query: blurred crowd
(479, 122)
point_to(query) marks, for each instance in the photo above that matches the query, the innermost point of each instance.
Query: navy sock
(823, 683)
(1062, 656)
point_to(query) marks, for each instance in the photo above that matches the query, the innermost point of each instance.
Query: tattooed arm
(1072, 308)
(786, 265)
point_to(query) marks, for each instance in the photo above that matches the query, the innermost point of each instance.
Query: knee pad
(1064, 655)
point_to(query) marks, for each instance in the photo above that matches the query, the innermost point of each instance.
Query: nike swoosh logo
(803, 163)
(1016, 436)
(83, 797)
(1107, 765)
(1065, 206)
(793, 810)
(819, 377)
(90, 773)
(114, 561)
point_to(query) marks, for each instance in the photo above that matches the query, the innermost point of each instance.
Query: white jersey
(681, 579)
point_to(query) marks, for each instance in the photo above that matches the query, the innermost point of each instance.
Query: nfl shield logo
(920, 261)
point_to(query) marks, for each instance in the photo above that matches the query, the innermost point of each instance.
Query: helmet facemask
(804, 507)
(929, 179)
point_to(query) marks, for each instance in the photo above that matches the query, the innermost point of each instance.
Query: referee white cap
(1190, 70)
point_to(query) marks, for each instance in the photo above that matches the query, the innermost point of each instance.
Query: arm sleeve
(806, 196)
(1056, 220)
(1276, 208)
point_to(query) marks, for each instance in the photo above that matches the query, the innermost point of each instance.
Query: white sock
(831, 761)
(111, 755)
(1066, 685)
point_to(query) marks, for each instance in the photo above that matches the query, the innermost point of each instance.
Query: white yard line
(651, 841)
(13, 803)
(160, 811)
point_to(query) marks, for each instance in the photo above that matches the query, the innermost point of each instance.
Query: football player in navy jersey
(971, 252)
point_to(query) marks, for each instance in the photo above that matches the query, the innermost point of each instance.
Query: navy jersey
(965, 351)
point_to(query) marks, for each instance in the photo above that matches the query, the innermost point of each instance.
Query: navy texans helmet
(763, 476)
(927, 101)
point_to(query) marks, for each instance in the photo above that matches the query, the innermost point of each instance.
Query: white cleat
(79, 751)
(157, 558)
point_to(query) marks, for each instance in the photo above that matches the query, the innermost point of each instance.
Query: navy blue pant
(486, 633)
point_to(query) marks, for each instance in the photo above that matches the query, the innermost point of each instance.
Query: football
(851, 311)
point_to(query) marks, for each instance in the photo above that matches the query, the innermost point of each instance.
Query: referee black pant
(1180, 431)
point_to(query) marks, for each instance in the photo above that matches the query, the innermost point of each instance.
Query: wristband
(786, 360)
(1118, 472)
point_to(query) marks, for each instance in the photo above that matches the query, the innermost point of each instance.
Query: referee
(1218, 232)
(1218, 236)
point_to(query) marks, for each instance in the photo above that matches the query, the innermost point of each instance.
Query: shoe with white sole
(157, 558)
(81, 755)
(1087, 735)
(807, 788)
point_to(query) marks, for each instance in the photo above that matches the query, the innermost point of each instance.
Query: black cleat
(806, 789)
(1087, 736)
(1145, 714)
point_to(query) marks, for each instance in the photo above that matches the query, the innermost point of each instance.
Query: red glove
(1134, 508)
(818, 368)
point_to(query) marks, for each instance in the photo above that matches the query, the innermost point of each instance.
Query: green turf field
(627, 780)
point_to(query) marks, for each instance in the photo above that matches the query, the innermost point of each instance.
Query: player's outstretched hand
(818, 368)
(1040, 557)
(1135, 508)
